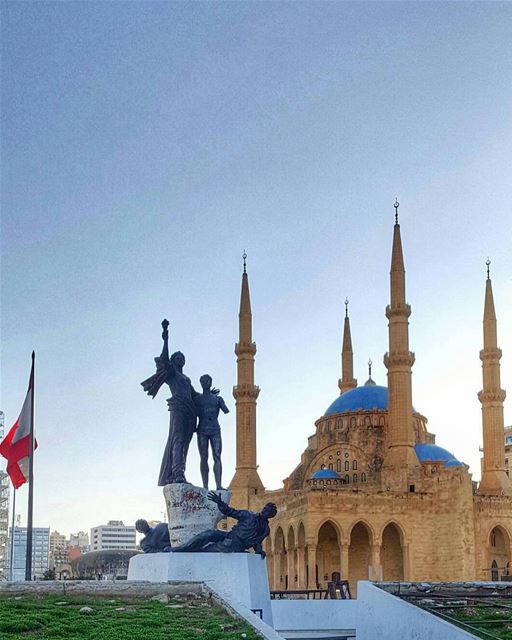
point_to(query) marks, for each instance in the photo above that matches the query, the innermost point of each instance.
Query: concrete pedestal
(237, 577)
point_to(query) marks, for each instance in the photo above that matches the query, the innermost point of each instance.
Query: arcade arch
(392, 553)
(498, 552)
(328, 557)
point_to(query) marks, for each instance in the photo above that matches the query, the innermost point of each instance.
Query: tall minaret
(494, 477)
(246, 480)
(347, 380)
(399, 453)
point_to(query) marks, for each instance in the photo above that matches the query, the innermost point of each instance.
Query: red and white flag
(15, 447)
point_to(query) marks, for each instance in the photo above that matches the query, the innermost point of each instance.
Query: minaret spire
(347, 380)
(246, 480)
(494, 477)
(399, 455)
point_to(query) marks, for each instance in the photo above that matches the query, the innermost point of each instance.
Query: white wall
(387, 617)
(315, 615)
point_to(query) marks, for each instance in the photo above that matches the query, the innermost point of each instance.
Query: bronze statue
(182, 410)
(249, 532)
(156, 538)
(208, 404)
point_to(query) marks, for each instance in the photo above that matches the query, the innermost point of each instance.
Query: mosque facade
(373, 496)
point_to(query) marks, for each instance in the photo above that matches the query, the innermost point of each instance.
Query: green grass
(40, 618)
(472, 613)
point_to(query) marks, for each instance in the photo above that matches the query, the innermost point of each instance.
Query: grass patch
(184, 618)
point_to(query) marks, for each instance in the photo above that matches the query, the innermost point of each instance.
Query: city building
(40, 552)
(112, 536)
(508, 448)
(102, 565)
(80, 539)
(373, 494)
(4, 506)
(57, 542)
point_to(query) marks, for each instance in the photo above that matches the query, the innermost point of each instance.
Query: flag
(15, 447)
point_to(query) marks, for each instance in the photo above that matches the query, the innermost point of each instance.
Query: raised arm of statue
(163, 367)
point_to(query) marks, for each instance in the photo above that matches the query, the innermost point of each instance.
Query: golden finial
(244, 256)
(346, 307)
(396, 205)
(488, 263)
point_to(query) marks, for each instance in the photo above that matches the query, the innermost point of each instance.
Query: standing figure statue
(208, 405)
(248, 533)
(181, 407)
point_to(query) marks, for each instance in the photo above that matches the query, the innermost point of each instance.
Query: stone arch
(498, 552)
(392, 552)
(291, 556)
(280, 562)
(302, 557)
(372, 533)
(328, 557)
(335, 524)
(361, 536)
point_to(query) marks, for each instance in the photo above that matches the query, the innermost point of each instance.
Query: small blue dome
(326, 473)
(433, 453)
(366, 398)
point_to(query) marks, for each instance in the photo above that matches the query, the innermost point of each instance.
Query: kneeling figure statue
(249, 532)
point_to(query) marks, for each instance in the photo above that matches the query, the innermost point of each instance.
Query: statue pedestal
(189, 511)
(236, 577)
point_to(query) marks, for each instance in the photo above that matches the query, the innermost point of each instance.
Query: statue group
(190, 412)
(193, 412)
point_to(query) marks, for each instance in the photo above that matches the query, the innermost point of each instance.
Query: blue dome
(326, 473)
(433, 453)
(366, 398)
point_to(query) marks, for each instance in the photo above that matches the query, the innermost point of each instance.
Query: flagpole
(28, 563)
(11, 576)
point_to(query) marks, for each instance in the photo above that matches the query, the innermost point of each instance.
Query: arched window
(331, 466)
(368, 421)
(363, 477)
(354, 465)
(352, 421)
(347, 465)
(347, 479)
(493, 539)
(339, 423)
(494, 571)
(354, 478)
(322, 466)
(381, 421)
(338, 466)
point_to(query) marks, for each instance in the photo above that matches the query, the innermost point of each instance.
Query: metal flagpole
(11, 572)
(28, 563)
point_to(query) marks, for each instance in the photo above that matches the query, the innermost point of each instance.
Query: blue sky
(146, 145)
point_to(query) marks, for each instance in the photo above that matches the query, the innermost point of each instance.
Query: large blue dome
(433, 453)
(366, 398)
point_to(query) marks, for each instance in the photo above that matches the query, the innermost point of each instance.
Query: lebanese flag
(15, 447)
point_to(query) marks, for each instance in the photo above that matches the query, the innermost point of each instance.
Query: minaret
(400, 452)
(347, 380)
(246, 480)
(494, 477)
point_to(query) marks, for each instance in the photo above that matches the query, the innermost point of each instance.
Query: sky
(146, 145)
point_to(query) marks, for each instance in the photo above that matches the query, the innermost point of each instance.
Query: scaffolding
(4, 510)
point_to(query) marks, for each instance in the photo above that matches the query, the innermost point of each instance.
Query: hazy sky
(146, 145)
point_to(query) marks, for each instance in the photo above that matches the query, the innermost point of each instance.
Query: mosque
(373, 496)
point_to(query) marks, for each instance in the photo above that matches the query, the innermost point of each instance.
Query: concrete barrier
(388, 617)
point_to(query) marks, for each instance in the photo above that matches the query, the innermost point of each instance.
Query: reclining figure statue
(249, 532)
(156, 538)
